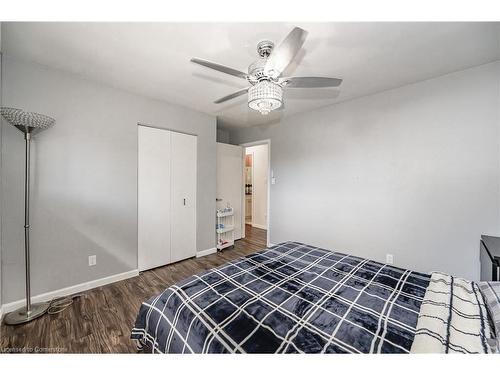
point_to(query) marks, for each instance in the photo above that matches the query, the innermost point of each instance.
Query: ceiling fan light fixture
(265, 96)
(265, 93)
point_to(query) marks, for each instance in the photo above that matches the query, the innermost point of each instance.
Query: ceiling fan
(265, 92)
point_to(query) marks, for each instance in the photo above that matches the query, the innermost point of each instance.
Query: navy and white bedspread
(290, 298)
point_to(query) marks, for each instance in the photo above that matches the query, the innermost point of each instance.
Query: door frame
(269, 181)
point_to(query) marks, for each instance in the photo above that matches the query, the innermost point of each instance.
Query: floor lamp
(29, 123)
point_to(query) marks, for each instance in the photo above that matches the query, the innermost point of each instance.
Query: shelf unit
(225, 228)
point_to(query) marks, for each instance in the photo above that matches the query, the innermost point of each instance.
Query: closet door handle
(184, 201)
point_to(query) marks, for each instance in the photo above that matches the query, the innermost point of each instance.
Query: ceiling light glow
(265, 96)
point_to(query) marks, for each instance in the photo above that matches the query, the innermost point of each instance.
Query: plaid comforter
(290, 298)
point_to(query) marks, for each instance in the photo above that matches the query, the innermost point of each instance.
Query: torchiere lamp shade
(27, 122)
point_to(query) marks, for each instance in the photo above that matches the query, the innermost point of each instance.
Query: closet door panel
(183, 224)
(154, 197)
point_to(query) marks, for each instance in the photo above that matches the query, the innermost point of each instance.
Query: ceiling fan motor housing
(256, 69)
(264, 48)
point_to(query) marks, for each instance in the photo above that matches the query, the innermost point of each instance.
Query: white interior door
(230, 182)
(183, 196)
(154, 175)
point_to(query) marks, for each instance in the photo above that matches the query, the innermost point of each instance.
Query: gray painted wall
(413, 172)
(84, 194)
(222, 135)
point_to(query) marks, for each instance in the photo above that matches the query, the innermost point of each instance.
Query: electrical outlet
(92, 260)
(389, 259)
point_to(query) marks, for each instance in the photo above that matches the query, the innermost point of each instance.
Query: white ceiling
(152, 59)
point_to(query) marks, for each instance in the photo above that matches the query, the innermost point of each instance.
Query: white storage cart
(225, 228)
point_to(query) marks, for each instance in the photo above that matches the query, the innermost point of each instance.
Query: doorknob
(218, 199)
(184, 201)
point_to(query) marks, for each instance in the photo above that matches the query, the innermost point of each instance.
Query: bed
(297, 298)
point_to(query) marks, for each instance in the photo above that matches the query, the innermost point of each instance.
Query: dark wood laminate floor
(101, 320)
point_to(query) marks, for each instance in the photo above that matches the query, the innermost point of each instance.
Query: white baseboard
(259, 226)
(203, 253)
(45, 297)
(1, 312)
(270, 244)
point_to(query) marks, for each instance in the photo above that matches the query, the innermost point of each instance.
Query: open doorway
(256, 187)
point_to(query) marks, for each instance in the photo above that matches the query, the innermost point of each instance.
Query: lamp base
(20, 315)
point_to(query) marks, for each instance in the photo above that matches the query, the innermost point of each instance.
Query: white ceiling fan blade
(232, 96)
(311, 82)
(220, 68)
(282, 55)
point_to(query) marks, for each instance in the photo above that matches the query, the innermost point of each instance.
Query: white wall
(413, 172)
(260, 165)
(84, 194)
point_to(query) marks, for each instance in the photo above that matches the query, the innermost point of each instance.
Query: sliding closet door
(183, 165)
(154, 208)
